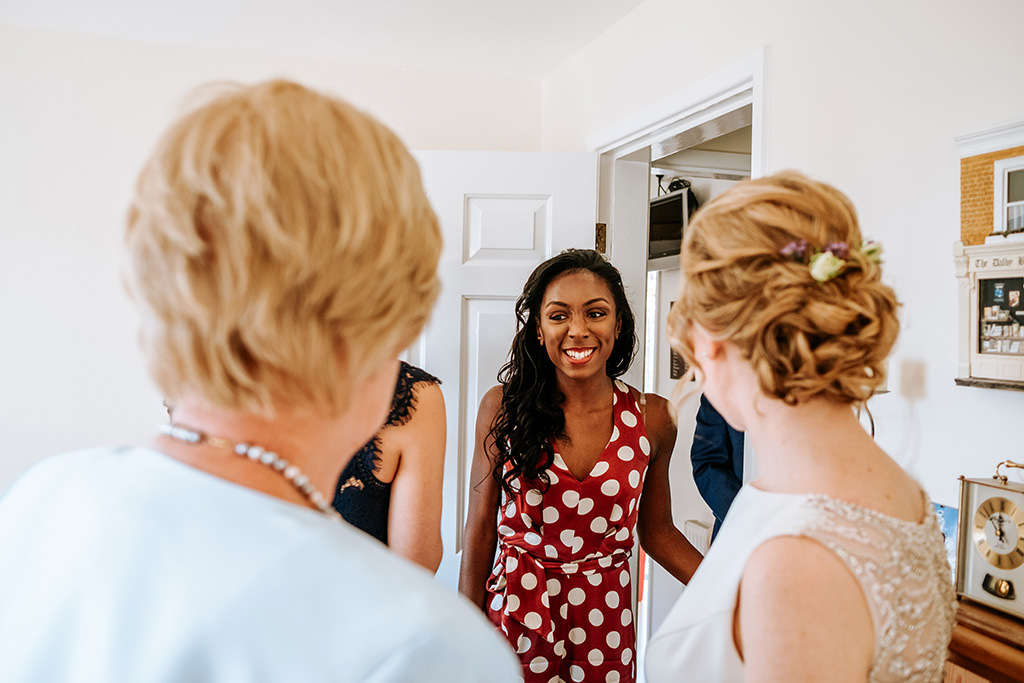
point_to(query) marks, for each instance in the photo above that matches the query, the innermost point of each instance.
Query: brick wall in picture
(976, 188)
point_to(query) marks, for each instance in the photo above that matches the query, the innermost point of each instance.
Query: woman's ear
(705, 346)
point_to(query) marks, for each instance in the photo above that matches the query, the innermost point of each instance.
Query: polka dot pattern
(560, 589)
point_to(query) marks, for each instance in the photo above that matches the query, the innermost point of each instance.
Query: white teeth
(578, 355)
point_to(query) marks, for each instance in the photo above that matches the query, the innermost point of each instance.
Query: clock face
(999, 533)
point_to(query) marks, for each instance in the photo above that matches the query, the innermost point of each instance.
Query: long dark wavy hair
(531, 404)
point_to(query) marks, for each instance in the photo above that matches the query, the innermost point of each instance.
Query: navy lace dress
(361, 498)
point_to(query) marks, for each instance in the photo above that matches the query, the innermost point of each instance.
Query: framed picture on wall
(947, 522)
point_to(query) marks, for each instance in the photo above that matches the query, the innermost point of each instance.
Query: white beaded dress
(900, 565)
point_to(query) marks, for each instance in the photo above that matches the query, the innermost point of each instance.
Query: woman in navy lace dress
(391, 489)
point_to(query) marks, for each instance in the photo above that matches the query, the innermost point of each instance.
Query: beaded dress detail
(900, 565)
(902, 569)
(362, 499)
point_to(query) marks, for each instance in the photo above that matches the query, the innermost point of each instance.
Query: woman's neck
(317, 444)
(810, 446)
(596, 390)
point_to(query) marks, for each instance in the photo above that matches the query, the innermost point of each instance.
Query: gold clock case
(990, 543)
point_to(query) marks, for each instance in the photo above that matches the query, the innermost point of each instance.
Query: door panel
(501, 213)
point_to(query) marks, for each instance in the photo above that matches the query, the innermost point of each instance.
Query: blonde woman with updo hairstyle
(830, 564)
(281, 252)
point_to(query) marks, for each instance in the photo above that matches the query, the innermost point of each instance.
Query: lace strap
(403, 403)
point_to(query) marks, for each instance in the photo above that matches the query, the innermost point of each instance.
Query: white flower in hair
(873, 250)
(829, 262)
(825, 265)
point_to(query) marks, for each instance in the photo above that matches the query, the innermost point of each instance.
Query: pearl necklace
(258, 454)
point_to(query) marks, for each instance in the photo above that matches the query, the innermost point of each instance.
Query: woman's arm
(481, 533)
(801, 613)
(658, 534)
(414, 515)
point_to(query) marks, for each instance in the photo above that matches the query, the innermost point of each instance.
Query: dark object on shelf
(677, 184)
(668, 218)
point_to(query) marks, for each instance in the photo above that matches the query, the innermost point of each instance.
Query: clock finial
(1008, 463)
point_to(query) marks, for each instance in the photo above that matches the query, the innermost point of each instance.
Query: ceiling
(525, 38)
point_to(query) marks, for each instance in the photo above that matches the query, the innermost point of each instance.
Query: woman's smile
(579, 355)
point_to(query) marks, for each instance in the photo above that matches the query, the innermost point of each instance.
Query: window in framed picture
(1008, 196)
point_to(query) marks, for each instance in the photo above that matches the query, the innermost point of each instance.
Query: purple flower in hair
(797, 250)
(838, 249)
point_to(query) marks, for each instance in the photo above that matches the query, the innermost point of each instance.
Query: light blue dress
(124, 565)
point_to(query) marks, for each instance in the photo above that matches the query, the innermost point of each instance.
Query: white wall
(78, 116)
(868, 96)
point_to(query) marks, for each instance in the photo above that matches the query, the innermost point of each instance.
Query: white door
(501, 213)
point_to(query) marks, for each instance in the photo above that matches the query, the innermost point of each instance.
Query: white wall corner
(991, 139)
(963, 281)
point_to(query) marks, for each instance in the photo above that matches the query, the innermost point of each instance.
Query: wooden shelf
(989, 383)
(988, 643)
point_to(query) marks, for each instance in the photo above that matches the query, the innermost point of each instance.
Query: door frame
(623, 150)
(623, 193)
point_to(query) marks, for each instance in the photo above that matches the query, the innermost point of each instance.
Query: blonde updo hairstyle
(280, 247)
(804, 338)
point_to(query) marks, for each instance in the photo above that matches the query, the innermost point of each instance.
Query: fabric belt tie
(524, 577)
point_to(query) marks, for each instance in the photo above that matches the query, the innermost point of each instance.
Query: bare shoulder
(490, 406)
(428, 394)
(491, 400)
(422, 433)
(786, 561)
(658, 419)
(797, 596)
(658, 405)
(425, 409)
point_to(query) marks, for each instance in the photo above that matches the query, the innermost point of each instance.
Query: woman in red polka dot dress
(569, 461)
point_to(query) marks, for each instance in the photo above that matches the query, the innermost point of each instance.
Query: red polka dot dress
(560, 587)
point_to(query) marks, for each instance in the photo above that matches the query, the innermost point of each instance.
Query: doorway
(702, 140)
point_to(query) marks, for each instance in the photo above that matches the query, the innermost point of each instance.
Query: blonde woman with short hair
(259, 224)
(830, 565)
